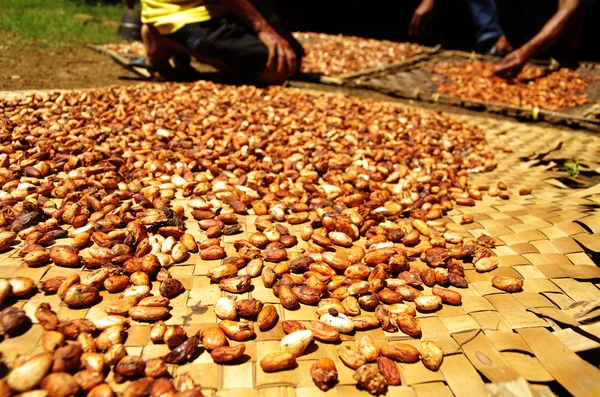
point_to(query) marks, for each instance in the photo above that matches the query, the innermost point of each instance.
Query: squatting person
(233, 36)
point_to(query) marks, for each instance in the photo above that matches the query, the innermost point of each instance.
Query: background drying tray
(123, 52)
(344, 50)
(414, 80)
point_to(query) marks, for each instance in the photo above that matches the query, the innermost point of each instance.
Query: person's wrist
(258, 28)
(526, 52)
(263, 28)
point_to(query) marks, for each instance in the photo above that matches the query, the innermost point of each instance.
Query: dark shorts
(226, 39)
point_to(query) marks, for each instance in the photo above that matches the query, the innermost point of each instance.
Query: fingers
(291, 59)
(512, 72)
(506, 70)
(287, 59)
(500, 70)
(413, 28)
(272, 57)
(503, 68)
(280, 60)
(510, 66)
(291, 62)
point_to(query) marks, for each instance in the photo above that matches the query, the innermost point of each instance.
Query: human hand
(281, 55)
(511, 65)
(421, 18)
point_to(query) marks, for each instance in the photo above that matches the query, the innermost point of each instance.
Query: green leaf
(572, 168)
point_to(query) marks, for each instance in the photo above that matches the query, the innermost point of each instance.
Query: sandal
(125, 63)
(163, 68)
(144, 69)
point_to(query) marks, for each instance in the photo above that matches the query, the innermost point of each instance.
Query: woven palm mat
(330, 59)
(530, 338)
(414, 80)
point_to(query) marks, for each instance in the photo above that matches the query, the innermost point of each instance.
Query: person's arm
(281, 55)
(513, 63)
(421, 17)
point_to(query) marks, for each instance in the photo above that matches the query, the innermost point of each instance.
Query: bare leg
(502, 46)
(160, 49)
(157, 49)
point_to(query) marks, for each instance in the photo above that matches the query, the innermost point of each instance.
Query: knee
(150, 34)
(147, 32)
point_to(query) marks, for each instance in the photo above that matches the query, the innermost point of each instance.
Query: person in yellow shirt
(231, 35)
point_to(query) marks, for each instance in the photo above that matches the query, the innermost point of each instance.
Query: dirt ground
(25, 67)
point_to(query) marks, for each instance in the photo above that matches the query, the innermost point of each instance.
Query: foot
(501, 48)
(183, 68)
(182, 63)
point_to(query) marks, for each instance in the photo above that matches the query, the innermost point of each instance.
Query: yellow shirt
(168, 16)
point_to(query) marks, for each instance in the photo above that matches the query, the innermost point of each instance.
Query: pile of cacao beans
(325, 54)
(532, 88)
(337, 202)
(338, 54)
(134, 49)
